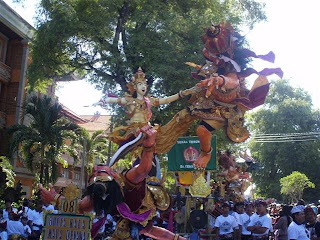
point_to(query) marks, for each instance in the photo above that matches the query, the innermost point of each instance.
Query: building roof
(96, 122)
(72, 116)
(15, 22)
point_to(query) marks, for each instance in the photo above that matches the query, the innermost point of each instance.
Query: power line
(286, 140)
(287, 137)
(286, 134)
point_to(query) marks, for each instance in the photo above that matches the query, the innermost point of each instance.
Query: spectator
(225, 224)
(311, 224)
(8, 209)
(14, 226)
(27, 229)
(296, 229)
(100, 235)
(238, 211)
(3, 229)
(37, 221)
(260, 225)
(48, 207)
(26, 208)
(244, 221)
(283, 223)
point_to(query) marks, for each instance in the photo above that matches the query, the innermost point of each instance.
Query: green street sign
(183, 154)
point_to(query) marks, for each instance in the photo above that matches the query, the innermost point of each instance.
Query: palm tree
(95, 147)
(44, 139)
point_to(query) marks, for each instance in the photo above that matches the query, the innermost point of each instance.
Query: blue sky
(292, 32)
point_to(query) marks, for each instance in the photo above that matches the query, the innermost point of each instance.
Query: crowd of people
(239, 221)
(259, 220)
(26, 222)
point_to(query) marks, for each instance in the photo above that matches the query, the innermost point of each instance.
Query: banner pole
(208, 178)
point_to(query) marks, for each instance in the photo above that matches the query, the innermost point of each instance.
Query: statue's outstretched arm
(51, 196)
(175, 97)
(106, 100)
(227, 81)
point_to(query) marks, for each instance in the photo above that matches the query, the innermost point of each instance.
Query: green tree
(294, 184)
(45, 138)
(287, 110)
(95, 147)
(6, 173)
(108, 40)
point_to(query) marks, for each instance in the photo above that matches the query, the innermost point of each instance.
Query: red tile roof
(96, 122)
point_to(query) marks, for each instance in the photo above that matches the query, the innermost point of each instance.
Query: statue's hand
(190, 91)
(97, 104)
(47, 196)
(150, 134)
(211, 83)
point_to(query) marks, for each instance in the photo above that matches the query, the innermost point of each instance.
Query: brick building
(15, 35)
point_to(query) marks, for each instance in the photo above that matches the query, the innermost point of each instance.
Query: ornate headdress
(138, 77)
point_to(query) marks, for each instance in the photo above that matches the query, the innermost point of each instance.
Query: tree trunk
(41, 173)
(41, 165)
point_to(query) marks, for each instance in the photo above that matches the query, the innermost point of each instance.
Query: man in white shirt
(37, 221)
(26, 208)
(238, 211)
(8, 209)
(14, 226)
(260, 225)
(48, 207)
(297, 230)
(245, 219)
(225, 224)
(27, 230)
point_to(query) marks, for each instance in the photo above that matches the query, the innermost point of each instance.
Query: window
(65, 173)
(3, 47)
(77, 176)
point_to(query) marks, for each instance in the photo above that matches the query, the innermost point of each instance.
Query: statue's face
(141, 88)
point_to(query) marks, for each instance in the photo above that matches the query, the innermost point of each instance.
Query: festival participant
(297, 230)
(260, 225)
(48, 207)
(37, 221)
(8, 209)
(301, 202)
(283, 223)
(245, 219)
(3, 229)
(132, 195)
(311, 224)
(225, 224)
(26, 208)
(27, 229)
(100, 234)
(14, 227)
(238, 211)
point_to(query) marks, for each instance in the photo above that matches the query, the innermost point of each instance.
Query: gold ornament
(71, 192)
(200, 188)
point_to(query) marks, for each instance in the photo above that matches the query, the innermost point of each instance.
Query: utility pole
(82, 163)
(110, 142)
